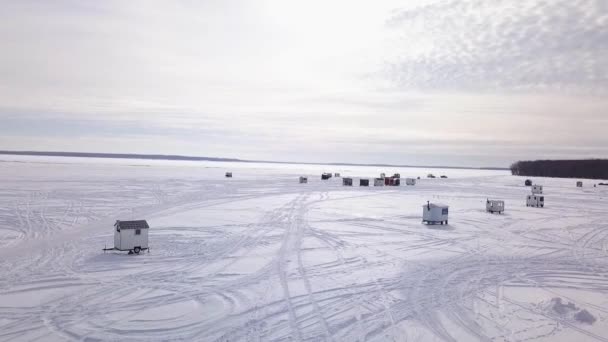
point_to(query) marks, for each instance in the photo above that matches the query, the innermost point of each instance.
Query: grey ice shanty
(303, 180)
(435, 213)
(535, 201)
(131, 236)
(495, 206)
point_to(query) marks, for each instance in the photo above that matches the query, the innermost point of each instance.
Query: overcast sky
(433, 82)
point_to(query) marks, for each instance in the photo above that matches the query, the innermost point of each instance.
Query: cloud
(476, 45)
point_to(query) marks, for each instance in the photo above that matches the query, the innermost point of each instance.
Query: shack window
(444, 211)
(137, 231)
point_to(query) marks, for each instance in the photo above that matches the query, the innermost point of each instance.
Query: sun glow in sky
(472, 82)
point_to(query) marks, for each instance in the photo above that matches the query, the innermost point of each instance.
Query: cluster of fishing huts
(383, 180)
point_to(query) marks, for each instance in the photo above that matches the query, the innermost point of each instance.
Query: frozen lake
(260, 257)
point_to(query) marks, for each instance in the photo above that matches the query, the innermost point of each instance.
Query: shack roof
(139, 224)
(436, 205)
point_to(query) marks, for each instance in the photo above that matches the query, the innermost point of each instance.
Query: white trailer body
(535, 201)
(537, 189)
(435, 213)
(410, 181)
(131, 235)
(495, 206)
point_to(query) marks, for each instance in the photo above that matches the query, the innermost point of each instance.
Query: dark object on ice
(430, 175)
(392, 181)
(418, 177)
(579, 184)
(336, 174)
(228, 174)
(603, 183)
(397, 175)
(347, 181)
(363, 182)
(561, 308)
(585, 316)
(326, 176)
(528, 182)
(444, 176)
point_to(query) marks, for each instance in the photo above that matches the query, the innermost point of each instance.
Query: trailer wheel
(137, 250)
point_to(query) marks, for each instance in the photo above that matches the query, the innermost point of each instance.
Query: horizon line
(214, 159)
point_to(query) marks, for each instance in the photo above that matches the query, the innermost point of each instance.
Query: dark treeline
(588, 168)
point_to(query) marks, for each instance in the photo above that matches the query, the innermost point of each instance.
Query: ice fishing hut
(495, 206)
(434, 213)
(535, 201)
(326, 176)
(303, 180)
(228, 174)
(392, 181)
(363, 182)
(410, 181)
(378, 182)
(347, 181)
(131, 236)
(336, 174)
(528, 182)
(579, 184)
(537, 189)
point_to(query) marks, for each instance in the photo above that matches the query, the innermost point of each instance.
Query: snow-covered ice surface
(260, 257)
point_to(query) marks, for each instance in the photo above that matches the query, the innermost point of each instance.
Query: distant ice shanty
(363, 182)
(392, 181)
(131, 236)
(579, 184)
(410, 181)
(326, 176)
(347, 181)
(528, 182)
(337, 174)
(537, 189)
(378, 182)
(433, 213)
(303, 180)
(228, 174)
(430, 175)
(495, 206)
(535, 201)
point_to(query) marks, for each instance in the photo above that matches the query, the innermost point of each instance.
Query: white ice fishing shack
(434, 213)
(495, 206)
(131, 236)
(535, 201)
(537, 189)
(410, 181)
